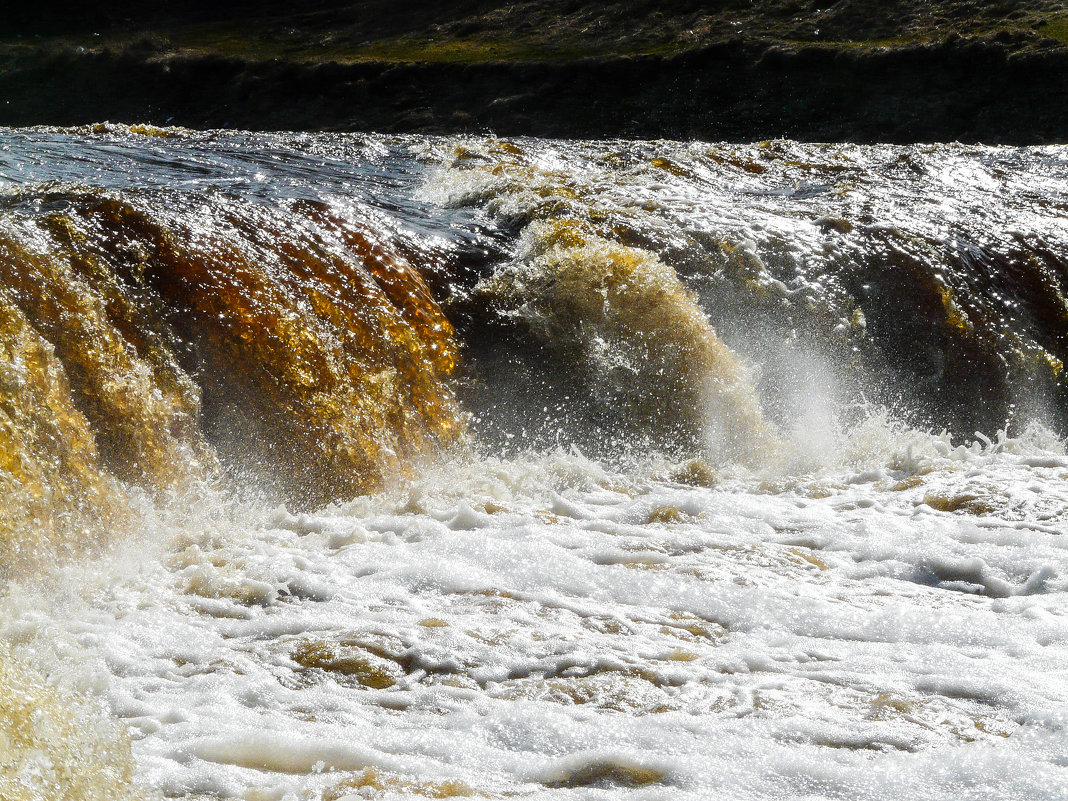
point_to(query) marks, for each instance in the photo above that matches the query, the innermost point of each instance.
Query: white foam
(837, 637)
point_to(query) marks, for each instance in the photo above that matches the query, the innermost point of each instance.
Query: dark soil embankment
(735, 71)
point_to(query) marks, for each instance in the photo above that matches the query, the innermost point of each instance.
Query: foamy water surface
(789, 595)
(544, 627)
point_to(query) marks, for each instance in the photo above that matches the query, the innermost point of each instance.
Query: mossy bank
(849, 70)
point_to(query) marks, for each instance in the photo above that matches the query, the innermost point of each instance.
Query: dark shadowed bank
(852, 70)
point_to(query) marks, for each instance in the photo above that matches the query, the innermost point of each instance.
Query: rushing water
(339, 466)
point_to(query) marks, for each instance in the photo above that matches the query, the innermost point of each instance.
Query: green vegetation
(707, 69)
(230, 41)
(1056, 29)
(474, 31)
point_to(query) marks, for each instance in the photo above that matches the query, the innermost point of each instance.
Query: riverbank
(897, 74)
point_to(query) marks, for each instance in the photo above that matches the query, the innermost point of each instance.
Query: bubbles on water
(715, 581)
(54, 745)
(146, 335)
(943, 312)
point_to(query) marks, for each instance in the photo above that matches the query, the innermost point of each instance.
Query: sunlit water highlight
(683, 548)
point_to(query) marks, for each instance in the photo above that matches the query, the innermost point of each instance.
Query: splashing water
(607, 467)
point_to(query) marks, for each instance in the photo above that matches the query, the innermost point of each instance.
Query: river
(337, 466)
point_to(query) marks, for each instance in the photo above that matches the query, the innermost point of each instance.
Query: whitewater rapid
(544, 627)
(667, 515)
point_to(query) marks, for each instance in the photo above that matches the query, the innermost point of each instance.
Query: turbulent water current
(349, 466)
